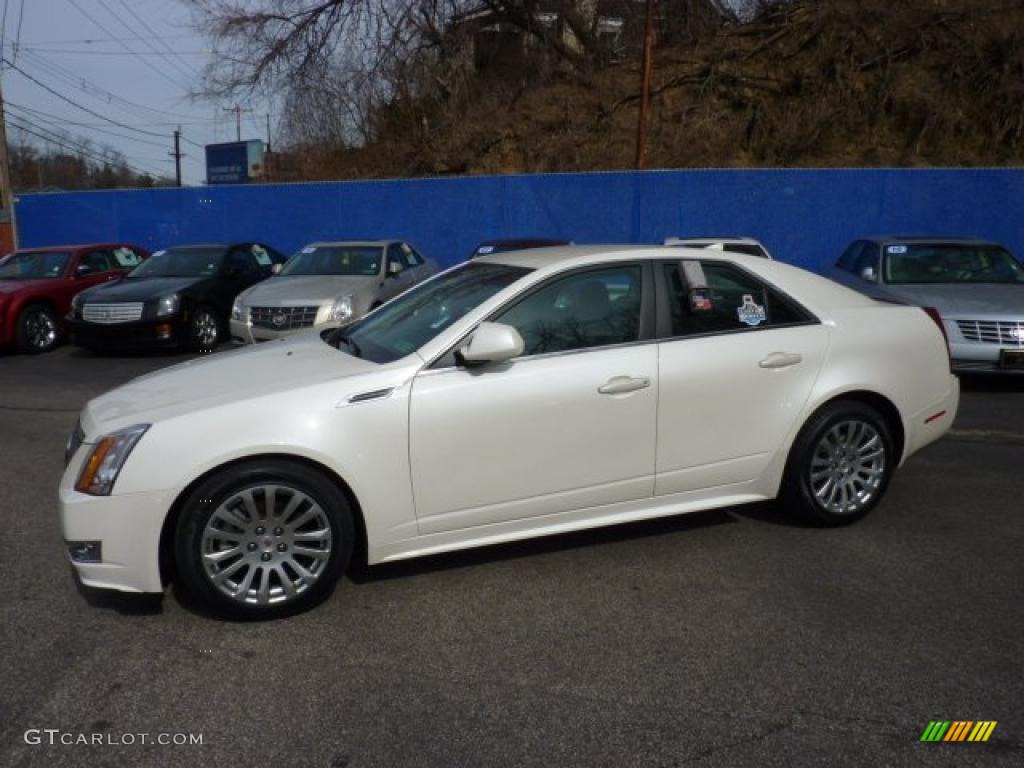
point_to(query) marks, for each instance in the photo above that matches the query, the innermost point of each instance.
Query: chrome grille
(112, 313)
(283, 318)
(1006, 333)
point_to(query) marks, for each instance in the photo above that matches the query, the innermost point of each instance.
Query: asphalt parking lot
(732, 638)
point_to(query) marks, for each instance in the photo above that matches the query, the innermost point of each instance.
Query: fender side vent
(375, 394)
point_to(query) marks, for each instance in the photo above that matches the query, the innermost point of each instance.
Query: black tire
(38, 329)
(835, 475)
(202, 527)
(205, 329)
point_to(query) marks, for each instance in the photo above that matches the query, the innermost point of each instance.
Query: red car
(37, 284)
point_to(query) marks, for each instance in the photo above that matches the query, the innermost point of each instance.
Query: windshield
(951, 264)
(335, 260)
(404, 325)
(201, 261)
(34, 266)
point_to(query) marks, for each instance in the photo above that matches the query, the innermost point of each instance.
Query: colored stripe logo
(958, 730)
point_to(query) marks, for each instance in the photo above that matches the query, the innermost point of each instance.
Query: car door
(736, 364)
(569, 424)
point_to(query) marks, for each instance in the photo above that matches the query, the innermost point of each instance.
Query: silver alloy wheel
(848, 466)
(204, 328)
(266, 544)
(41, 330)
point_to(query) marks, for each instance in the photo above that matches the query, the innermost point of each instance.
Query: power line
(94, 40)
(17, 37)
(157, 38)
(68, 51)
(76, 104)
(77, 147)
(40, 115)
(160, 72)
(70, 78)
(131, 30)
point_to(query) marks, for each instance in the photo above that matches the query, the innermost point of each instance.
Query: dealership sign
(236, 162)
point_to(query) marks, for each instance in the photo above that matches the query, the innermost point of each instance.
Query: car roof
(580, 255)
(742, 239)
(361, 243)
(74, 247)
(927, 240)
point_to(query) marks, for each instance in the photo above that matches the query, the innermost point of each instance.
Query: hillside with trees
(424, 87)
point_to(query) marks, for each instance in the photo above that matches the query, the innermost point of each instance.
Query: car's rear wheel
(38, 329)
(840, 464)
(263, 539)
(205, 329)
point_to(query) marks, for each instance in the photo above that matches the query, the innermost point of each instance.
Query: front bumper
(245, 333)
(167, 332)
(127, 527)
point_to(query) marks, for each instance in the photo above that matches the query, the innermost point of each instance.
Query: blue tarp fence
(805, 217)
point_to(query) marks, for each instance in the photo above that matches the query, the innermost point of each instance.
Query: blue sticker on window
(897, 249)
(751, 313)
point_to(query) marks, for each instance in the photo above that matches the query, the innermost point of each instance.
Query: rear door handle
(620, 385)
(781, 360)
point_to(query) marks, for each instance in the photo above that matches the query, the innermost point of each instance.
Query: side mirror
(868, 273)
(394, 269)
(84, 269)
(276, 269)
(491, 343)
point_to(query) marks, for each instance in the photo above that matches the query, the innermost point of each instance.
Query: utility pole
(237, 109)
(266, 158)
(176, 154)
(645, 92)
(6, 193)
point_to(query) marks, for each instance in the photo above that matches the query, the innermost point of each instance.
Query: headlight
(342, 309)
(106, 459)
(238, 311)
(168, 305)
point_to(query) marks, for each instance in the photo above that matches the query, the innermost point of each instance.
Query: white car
(517, 395)
(747, 245)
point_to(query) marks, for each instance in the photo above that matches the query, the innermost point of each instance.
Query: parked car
(180, 296)
(487, 247)
(515, 395)
(37, 285)
(327, 284)
(974, 289)
(747, 245)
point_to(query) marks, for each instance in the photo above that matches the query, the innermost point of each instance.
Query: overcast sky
(127, 74)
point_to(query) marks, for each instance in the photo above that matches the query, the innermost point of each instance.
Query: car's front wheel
(263, 539)
(840, 464)
(38, 329)
(205, 329)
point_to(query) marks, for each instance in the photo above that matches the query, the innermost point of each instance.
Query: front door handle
(620, 385)
(781, 360)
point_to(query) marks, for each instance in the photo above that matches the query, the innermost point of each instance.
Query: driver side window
(396, 256)
(595, 308)
(240, 261)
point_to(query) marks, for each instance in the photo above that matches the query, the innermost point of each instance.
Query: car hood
(140, 289)
(965, 300)
(286, 290)
(8, 287)
(229, 377)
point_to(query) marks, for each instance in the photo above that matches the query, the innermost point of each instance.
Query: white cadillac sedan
(516, 395)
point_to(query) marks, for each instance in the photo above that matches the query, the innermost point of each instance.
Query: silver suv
(327, 284)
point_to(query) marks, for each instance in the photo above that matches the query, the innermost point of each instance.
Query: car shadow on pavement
(992, 383)
(125, 603)
(360, 573)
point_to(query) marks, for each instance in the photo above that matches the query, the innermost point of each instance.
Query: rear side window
(98, 261)
(735, 301)
(397, 256)
(414, 259)
(126, 258)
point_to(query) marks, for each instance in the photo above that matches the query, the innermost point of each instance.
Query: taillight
(933, 313)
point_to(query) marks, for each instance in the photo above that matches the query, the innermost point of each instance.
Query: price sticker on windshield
(897, 249)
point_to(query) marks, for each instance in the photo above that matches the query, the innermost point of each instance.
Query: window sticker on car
(126, 257)
(751, 313)
(897, 249)
(483, 250)
(309, 249)
(160, 253)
